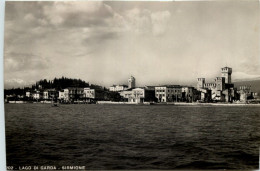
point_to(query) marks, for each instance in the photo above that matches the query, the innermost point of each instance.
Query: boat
(54, 103)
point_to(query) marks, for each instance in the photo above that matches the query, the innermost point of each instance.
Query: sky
(104, 42)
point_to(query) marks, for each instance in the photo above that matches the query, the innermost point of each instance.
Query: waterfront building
(118, 88)
(205, 95)
(245, 93)
(168, 93)
(138, 95)
(131, 82)
(61, 95)
(255, 95)
(126, 94)
(89, 93)
(150, 88)
(36, 95)
(66, 95)
(73, 93)
(221, 90)
(188, 93)
(27, 94)
(49, 94)
(45, 95)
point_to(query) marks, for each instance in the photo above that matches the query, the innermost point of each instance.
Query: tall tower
(200, 83)
(220, 83)
(131, 82)
(226, 72)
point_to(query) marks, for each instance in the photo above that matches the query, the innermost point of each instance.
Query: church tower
(131, 82)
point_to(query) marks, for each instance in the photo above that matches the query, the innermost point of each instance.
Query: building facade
(188, 93)
(168, 93)
(245, 93)
(118, 88)
(49, 94)
(89, 93)
(74, 94)
(138, 95)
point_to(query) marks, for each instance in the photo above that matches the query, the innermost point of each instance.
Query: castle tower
(220, 83)
(226, 72)
(131, 82)
(200, 83)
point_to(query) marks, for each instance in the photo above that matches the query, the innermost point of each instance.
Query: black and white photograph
(132, 85)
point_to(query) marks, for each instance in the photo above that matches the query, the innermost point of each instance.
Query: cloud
(24, 61)
(160, 21)
(16, 82)
(81, 14)
(144, 21)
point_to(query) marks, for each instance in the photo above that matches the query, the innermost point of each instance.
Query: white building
(49, 94)
(126, 94)
(72, 93)
(36, 95)
(45, 95)
(118, 88)
(66, 94)
(61, 95)
(89, 93)
(138, 95)
(28, 94)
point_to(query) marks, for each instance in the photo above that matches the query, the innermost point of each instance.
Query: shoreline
(216, 104)
(146, 103)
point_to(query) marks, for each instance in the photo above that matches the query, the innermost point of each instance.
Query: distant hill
(255, 85)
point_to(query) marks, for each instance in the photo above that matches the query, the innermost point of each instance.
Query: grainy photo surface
(132, 85)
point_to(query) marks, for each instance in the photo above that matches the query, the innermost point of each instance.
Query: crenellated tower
(226, 73)
(200, 83)
(220, 83)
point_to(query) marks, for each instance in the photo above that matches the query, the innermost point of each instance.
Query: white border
(2, 116)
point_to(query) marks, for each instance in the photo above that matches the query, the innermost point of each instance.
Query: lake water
(133, 136)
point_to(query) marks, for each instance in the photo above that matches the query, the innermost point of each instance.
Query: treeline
(16, 91)
(60, 83)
